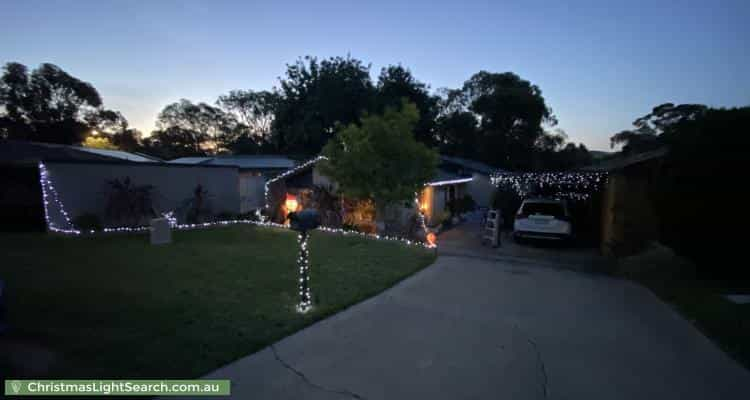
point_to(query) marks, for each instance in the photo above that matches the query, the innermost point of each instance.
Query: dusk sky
(599, 66)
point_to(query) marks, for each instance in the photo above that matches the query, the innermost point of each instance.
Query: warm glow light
(431, 238)
(291, 202)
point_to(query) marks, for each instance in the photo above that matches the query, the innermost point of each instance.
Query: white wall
(481, 189)
(83, 187)
(252, 192)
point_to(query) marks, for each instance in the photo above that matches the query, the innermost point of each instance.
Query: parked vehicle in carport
(543, 219)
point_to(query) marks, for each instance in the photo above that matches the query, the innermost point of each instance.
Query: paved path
(470, 328)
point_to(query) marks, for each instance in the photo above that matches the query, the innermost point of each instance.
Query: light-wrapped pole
(303, 262)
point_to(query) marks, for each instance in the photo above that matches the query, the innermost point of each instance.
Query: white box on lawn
(161, 232)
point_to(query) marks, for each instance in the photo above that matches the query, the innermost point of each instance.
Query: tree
(554, 153)
(701, 176)
(314, 97)
(510, 112)
(113, 126)
(173, 142)
(655, 128)
(209, 128)
(256, 111)
(46, 105)
(458, 134)
(380, 158)
(396, 84)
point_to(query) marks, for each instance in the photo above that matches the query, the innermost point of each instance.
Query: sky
(599, 64)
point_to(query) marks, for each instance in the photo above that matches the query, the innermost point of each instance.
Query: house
(629, 219)
(24, 152)
(479, 187)
(78, 181)
(455, 179)
(254, 171)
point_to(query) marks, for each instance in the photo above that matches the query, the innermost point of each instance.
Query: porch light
(291, 203)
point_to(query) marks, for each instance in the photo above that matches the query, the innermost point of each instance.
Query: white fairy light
(570, 185)
(50, 194)
(303, 262)
(450, 182)
(289, 172)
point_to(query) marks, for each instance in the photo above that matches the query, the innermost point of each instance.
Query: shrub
(88, 222)
(129, 203)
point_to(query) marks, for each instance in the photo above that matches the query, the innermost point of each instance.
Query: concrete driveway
(472, 328)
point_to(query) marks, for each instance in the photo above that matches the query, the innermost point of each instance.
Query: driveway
(465, 240)
(476, 328)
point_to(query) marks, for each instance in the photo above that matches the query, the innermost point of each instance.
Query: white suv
(542, 219)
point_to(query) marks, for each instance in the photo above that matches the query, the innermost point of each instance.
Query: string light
(170, 218)
(450, 182)
(569, 185)
(344, 231)
(49, 194)
(303, 262)
(289, 172)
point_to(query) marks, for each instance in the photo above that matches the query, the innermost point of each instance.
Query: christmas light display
(450, 182)
(303, 262)
(290, 172)
(49, 193)
(568, 185)
(51, 199)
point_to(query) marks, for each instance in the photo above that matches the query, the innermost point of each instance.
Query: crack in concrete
(539, 359)
(309, 382)
(541, 364)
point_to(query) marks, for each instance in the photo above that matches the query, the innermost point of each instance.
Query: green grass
(724, 322)
(115, 306)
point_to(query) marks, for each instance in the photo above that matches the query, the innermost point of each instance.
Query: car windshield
(553, 209)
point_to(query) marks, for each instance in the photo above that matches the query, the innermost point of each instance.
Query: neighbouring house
(254, 171)
(454, 180)
(629, 219)
(84, 180)
(480, 188)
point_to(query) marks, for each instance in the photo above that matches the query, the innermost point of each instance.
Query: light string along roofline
(346, 231)
(50, 198)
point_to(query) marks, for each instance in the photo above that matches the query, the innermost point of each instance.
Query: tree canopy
(314, 97)
(396, 84)
(46, 104)
(379, 158)
(509, 113)
(655, 128)
(199, 126)
(498, 118)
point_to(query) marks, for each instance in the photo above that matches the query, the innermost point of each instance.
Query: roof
(623, 162)
(190, 160)
(18, 151)
(470, 165)
(123, 155)
(241, 161)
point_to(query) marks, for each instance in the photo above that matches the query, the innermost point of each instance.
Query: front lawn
(117, 307)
